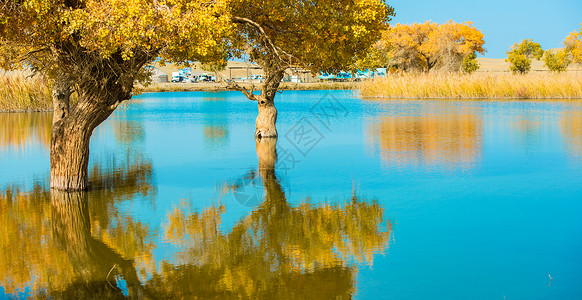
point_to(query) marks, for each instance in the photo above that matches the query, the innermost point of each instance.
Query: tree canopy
(520, 55)
(429, 45)
(323, 35)
(573, 45)
(558, 61)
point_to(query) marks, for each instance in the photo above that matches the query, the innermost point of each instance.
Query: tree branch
(249, 94)
(277, 50)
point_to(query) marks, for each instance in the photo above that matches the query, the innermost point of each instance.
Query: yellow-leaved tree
(429, 45)
(97, 48)
(320, 36)
(573, 45)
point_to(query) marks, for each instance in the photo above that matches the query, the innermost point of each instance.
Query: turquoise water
(363, 198)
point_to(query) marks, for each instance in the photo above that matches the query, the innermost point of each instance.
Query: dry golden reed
(21, 93)
(475, 86)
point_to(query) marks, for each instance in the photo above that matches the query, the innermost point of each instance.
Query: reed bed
(21, 93)
(475, 86)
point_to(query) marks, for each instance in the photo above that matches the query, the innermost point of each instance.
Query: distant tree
(321, 36)
(98, 48)
(557, 62)
(520, 55)
(470, 63)
(573, 45)
(429, 45)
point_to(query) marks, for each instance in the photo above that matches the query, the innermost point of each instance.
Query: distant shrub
(470, 63)
(520, 56)
(557, 62)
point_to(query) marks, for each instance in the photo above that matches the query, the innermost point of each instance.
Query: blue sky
(502, 22)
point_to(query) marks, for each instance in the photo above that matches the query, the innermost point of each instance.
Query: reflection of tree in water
(61, 244)
(21, 129)
(215, 122)
(571, 126)
(279, 250)
(449, 140)
(78, 245)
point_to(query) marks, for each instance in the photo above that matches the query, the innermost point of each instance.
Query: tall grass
(475, 86)
(21, 93)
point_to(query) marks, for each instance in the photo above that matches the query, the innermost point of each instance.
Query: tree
(320, 36)
(470, 63)
(97, 48)
(520, 55)
(427, 46)
(557, 62)
(573, 45)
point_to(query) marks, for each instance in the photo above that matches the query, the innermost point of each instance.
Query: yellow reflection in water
(79, 245)
(215, 122)
(278, 250)
(450, 140)
(571, 126)
(73, 245)
(21, 130)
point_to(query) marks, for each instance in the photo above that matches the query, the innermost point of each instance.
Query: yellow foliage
(574, 45)
(430, 45)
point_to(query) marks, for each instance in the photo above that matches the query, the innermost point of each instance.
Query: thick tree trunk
(267, 118)
(70, 137)
(102, 84)
(61, 95)
(70, 156)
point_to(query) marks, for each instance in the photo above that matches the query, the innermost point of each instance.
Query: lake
(357, 198)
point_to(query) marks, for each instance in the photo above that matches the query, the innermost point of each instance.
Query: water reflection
(571, 126)
(450, 141)
(215, 122)
(22, 130)
(73, 245)
(279, 250)
(69, 245)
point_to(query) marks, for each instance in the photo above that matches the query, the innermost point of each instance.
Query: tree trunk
(267, 118)
(61, 95)
(102, 84)
(70, 137)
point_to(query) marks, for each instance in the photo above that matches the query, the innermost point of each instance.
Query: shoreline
(220, 87)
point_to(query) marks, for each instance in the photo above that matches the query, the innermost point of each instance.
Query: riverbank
(217, 87)
(476, 86)
(21, 93)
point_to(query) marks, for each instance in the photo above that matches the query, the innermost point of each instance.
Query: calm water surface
(358, 198)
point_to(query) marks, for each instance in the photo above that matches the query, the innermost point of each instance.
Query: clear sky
(502, 22)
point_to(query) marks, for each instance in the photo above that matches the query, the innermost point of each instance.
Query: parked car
(178, 78)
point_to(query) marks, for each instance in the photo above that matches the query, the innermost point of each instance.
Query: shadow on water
(78, 245)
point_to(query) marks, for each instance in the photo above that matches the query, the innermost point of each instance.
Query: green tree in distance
(470, 63)
(520, 55)
(557, 62)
